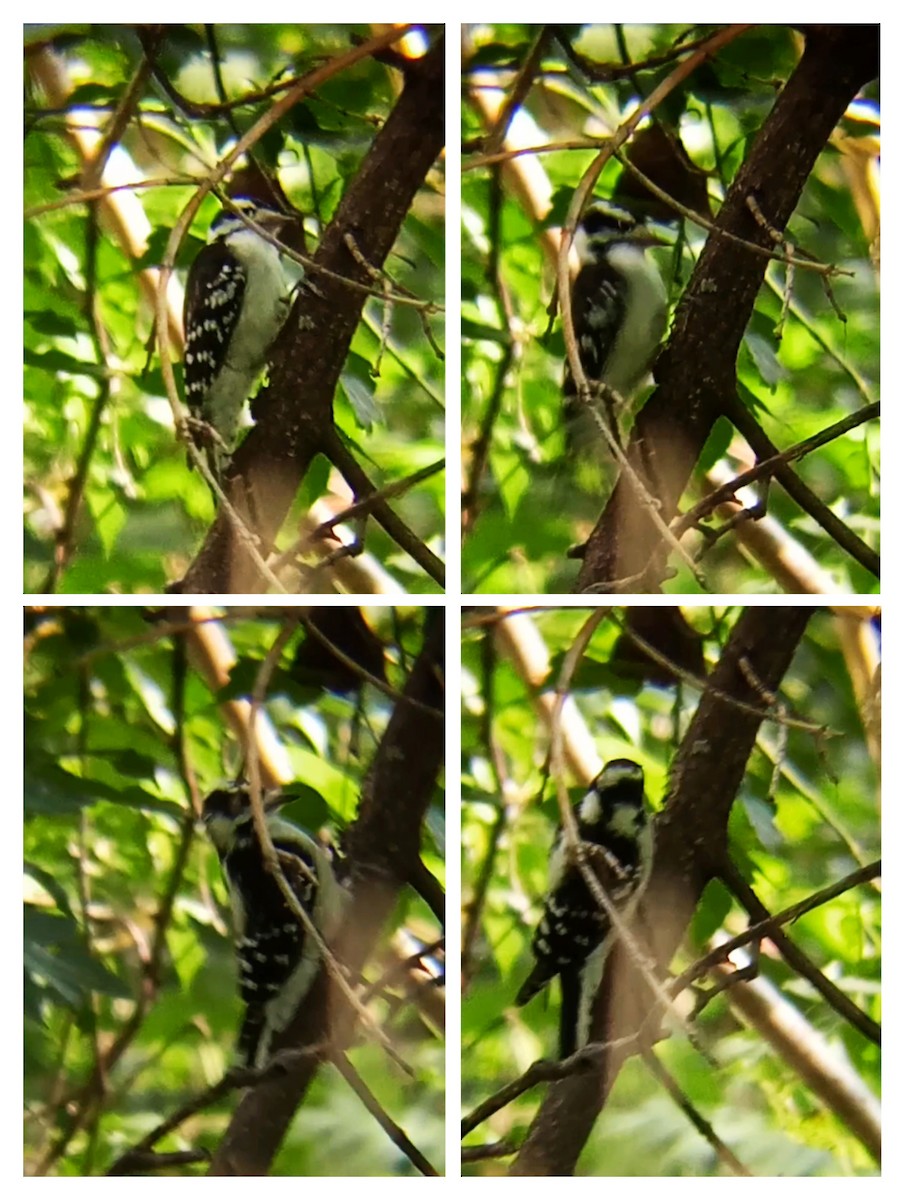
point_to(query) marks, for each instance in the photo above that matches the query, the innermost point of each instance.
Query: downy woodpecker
(574, 935)
(619, 305)
(236, 302)
(277, 958)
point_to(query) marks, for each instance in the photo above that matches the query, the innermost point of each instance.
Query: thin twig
(281, 1065)
(501, 1149)
(767, 466)
(760, 929)
(521, 85)
(704, 686)
(357, 480)
(372, 1105)
(798, 959)
(353, 665)
(704, 1127)
(389, 492)
(588, 1058)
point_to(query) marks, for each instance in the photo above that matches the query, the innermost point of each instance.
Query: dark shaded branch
(131, 1160)
(768, 466)
(429, 889)
(762, 445)
(543, 1071)
(367, 493)
(761, 929)
(500, 1149)
(798, 959)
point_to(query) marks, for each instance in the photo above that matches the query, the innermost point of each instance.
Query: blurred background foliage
(529, 505)
(129, 966)
(98, 426)
(807, 814)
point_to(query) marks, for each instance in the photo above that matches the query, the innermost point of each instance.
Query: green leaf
(359, 385)
(74, 977)
(57, 362)
(51, 885)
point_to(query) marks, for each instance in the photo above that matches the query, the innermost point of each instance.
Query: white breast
(646, 317)
(264, 301)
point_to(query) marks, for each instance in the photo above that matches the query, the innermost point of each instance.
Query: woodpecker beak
(274, 799)
(643, 236)
(276, 222)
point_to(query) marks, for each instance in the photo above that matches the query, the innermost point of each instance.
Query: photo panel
(671, 865)
(670, 308)
(234, 891)
(234, 309)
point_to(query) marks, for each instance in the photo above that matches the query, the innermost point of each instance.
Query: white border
(895, 822)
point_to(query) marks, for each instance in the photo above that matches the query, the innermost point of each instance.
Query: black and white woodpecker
(574, 935)
(619, 305)
(236, 303)
(277, 957)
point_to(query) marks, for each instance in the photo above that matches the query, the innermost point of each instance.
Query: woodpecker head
(603, 228)
(615, 800)
(262, 213)
(227, 807)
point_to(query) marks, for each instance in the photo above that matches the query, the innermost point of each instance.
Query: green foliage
(806, 815)
(127, 929)
(110, 503)
(803, 366)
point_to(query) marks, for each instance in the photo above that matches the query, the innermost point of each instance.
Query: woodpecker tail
(532, 985)
(252, 1040)
(570, 985)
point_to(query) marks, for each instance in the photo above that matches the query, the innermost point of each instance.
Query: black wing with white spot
(574, 924)
(270, 944)
(211, 310)
(598, 304)
(270, 940)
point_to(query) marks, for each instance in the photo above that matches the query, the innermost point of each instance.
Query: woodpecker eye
(601, 220)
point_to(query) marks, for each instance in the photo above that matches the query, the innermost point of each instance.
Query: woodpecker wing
(598, 303)
(271, 938)
(535, 981)
(211, 310)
